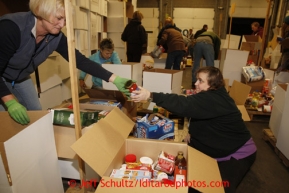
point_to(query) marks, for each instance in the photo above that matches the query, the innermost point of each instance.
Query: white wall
(250, 9)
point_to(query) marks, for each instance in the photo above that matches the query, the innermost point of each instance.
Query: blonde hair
(169, 20)
(137, 15)
(46, 8)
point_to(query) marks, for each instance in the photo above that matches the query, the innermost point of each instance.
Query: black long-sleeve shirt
(216, 125)
(10, 37)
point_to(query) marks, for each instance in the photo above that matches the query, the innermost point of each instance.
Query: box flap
(106, 94)
(104, 140)
(160, 70)
(244, 112)
(239, 92)
(202, 168)
(9, 127)
(251, 38)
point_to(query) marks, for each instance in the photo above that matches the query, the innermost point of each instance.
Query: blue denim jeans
(25, 93)
(202, 49)
(174, 59)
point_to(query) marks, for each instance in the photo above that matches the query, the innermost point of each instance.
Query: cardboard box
(128, 70)
(162, 128)
(255, 85)
(105, 145)
(128, 107)
(231, 64)
(251, 42)
(28, 159)
(280, 100)
(64, 138)
(163, 80)
(282, 137)
(239, 92)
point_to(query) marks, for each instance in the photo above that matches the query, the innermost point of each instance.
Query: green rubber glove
(120, 84)
(17, 112)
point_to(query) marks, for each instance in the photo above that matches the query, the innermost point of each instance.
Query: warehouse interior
(68, 151)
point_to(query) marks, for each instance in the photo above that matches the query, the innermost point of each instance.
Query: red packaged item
(165, 163)
(130, 158)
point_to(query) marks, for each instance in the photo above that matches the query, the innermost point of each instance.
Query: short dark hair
(205, 26)
(106, 43)
(256, 24)
(215, 77)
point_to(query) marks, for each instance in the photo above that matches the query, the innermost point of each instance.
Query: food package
(253, 73)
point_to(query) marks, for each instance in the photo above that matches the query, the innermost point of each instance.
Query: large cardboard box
(105, 145)
(28, 159)
(128, 70)
(282, 136)
(231, 64)
(163, 80)
(256, 86)
(239, 92)
(251, 42)
(280, 99)
(64, 138)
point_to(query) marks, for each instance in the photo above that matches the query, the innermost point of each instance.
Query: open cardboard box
(28, 160)
(65, 137)
(239, 92)
(251, 42)
(105, 145)
(128, 107)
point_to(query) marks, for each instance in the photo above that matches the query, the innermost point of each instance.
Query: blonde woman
(27, 39)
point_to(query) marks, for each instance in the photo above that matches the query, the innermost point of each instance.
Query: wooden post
(220, 24)
(264, 33)
(74, 81)
(231, 15)
(125, 18)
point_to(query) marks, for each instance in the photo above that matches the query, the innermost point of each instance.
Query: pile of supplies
(166, 168)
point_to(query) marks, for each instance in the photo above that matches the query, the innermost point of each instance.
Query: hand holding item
(17, 112)
(82, 84)
(187, 138)
(120, 83)
(140, 95)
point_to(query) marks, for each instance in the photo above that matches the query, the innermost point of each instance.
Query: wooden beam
(74, 81)
(264, 33)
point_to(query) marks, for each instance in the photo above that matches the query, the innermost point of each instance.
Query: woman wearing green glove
(27, 39)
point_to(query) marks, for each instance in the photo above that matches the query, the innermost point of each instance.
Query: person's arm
(93, 68)
(164, 38)
(10, 42)
(82, 62)
(143, 35)
(124, 34)
(115, 58)
(160, 36)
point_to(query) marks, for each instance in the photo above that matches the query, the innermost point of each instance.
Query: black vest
(27, 57)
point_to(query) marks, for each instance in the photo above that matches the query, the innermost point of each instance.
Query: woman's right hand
(82, 84)
(187, 138)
